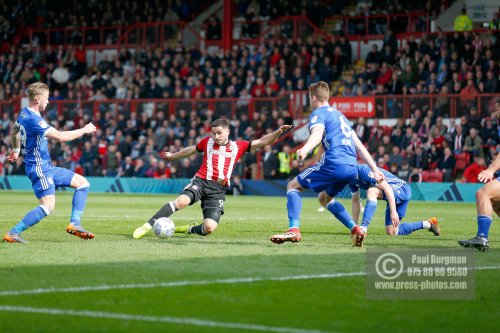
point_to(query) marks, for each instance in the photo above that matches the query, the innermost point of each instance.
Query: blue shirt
(32, 129)
(366, 179)
(337, 136)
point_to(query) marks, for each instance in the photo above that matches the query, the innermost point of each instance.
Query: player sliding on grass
(396, 192)
(487, 202)
(29, 136)
(210, 182)
(335, 169)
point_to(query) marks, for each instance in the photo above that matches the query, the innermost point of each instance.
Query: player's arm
(184, 152)
(65, 136)
(268, 139)
(15, 138)
(379, 176)
(488, 174)
(391, 200)
(313, 140)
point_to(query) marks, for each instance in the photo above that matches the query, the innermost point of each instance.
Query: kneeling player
(397, 193)
(210, 182)
(487, 202)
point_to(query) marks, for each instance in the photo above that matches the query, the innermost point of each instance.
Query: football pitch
(235, 280)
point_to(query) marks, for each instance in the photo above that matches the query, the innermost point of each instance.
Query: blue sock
(483, 226)
(32, 218)
(370, 208)
(79, 201)
(409, 227)
(341, 214)
(294, 206)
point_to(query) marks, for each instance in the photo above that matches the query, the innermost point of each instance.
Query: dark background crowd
(129, 143)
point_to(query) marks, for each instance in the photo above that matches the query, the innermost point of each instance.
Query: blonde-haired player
(29, 136)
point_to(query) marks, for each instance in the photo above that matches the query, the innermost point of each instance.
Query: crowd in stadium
(462, 63)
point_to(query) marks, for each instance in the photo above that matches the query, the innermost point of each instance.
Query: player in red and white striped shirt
(208, 185)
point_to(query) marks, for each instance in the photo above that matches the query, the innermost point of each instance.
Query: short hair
(36, 89)
(320, 90)
(224, 123)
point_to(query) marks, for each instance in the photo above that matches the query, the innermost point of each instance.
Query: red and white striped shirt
(218, 161)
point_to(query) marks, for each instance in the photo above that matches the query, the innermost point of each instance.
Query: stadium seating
(462, 161)
(432, 176)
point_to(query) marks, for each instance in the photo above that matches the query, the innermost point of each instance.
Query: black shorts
(211, 194)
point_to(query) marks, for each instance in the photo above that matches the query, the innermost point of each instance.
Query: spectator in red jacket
(473, 170)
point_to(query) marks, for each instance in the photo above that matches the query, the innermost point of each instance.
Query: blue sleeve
(316, 119)
(366, 175)
(39, 126)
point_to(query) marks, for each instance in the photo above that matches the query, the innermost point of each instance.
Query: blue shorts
(331, 179)
(402, 196)
(401, 208)
(45, 180)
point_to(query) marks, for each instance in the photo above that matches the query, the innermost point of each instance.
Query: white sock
(364, 229)
(427, 224)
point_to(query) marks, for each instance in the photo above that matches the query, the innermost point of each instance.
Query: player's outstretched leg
(294, 207)
(408, 227)
(370, 208)
(81, 186)
(183, 229)
(206, 228)
(32, 218)
(168, 209)
(338, 210)
(487, 198)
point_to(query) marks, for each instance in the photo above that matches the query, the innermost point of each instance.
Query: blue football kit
(337, 166)
(37, 162)
(401, 189)
(335, 169)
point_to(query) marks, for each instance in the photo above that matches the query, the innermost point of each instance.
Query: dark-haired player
(209, 184)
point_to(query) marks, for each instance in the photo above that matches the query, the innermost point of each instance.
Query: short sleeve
(315, 119)
(243, 146)
(202, 145)
(367, 175)
(40, 127)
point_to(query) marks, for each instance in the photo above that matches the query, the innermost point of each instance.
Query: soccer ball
(164, 227)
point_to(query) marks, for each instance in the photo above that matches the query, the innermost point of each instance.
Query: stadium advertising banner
(354, 107)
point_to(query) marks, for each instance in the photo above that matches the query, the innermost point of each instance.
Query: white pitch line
(163, 319)
(190, 283)
(175, 284)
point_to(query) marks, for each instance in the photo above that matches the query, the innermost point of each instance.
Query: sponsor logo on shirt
(220, 152)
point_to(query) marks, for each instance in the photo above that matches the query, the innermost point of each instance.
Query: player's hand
(485, 176)
(167, 156)
(285, 128)
(395, 219)
(379, 176)
(301, 155)
(12, 157)
(89, 128)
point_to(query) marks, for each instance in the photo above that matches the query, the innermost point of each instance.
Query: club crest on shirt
(43, 124)
(230, 147)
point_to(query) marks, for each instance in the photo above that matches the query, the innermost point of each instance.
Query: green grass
(240, 248)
